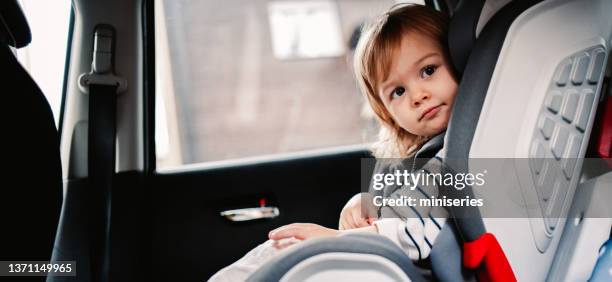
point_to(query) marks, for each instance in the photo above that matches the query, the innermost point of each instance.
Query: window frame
(149, 97)
(148, 33)
(60, 124)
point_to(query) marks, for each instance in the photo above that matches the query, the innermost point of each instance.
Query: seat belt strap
(102, 87)
(101, 169)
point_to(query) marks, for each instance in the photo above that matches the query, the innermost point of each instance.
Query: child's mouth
(429, 113)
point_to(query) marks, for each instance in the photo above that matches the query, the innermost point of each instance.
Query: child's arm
(305, 231)
(367, 229)
(410, 235)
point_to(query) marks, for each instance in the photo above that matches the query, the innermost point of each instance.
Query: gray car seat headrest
(14, 28)
(468, 20)
(489, 9)
(462, 32)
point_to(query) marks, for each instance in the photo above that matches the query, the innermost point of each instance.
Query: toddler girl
(402, 66)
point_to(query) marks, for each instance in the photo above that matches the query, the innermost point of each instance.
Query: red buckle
(486, 256)
(604, 144)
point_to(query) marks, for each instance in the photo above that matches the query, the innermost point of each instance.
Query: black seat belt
(103, 87)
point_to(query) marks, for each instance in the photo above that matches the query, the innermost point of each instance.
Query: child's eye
(397, 92)
(428, 71)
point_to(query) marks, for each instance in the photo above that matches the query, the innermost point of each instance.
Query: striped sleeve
(415, 236)
(414, 229)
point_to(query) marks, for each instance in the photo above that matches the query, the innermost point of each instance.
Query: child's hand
(351, 216)
(302, 231)
(284, 243)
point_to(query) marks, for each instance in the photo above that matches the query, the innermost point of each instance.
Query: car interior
(90, 186)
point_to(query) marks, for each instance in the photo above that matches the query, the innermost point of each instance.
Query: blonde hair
(377, 44)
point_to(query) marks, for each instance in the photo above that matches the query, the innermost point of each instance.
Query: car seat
(526, 53)
(29, 206)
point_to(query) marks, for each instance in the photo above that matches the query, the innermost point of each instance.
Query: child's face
(420, 89)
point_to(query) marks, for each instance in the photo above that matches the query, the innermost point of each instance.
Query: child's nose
(420, 97)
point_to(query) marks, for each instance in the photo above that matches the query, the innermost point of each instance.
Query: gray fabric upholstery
(446, 257)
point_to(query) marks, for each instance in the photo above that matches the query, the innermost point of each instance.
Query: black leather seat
(31, 193)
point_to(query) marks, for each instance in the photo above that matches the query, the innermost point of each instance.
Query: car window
(245, 78)
(45, 57)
